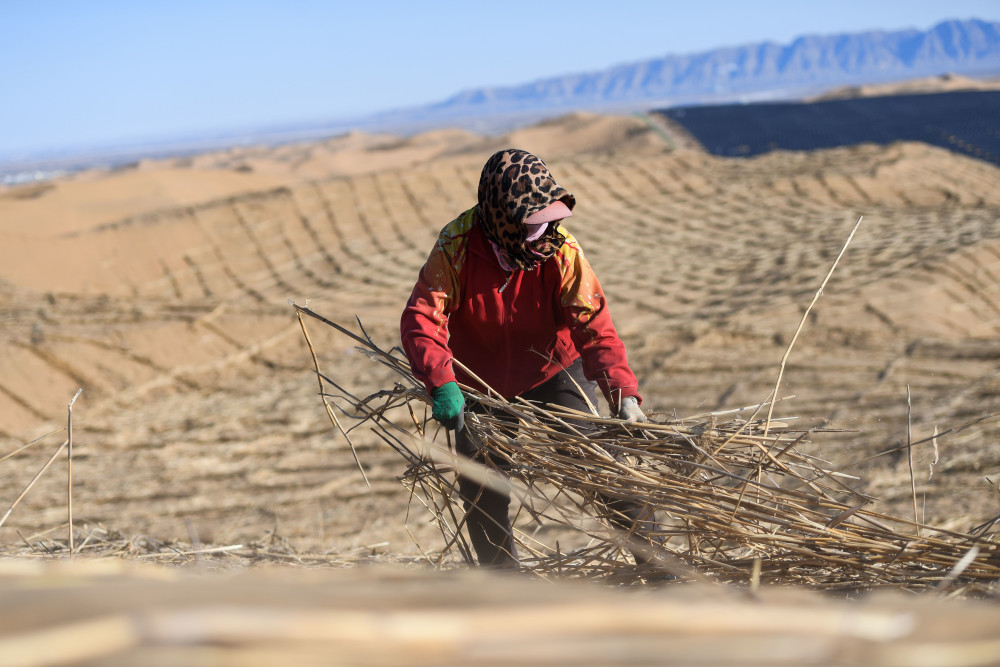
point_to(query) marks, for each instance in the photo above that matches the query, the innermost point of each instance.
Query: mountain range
(754, 72)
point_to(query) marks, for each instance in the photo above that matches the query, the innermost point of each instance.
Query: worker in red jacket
(508, 292)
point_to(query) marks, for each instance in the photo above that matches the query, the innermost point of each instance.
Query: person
(507, 292)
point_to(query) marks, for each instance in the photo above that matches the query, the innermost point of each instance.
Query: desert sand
(162, 291)
(930, 84)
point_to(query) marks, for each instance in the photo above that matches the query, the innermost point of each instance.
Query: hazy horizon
(115, 75)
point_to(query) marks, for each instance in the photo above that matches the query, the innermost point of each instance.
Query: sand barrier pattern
(177, 323)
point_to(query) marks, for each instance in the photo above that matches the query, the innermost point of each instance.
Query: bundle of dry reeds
(736, 498)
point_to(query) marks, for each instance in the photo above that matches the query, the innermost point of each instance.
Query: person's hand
(630, 411)
(448, 404)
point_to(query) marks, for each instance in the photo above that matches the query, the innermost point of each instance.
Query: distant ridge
(753, 72)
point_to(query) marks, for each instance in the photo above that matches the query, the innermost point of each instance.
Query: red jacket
(513, 331)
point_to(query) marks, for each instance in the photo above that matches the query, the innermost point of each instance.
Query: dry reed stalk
(802, 323)
(29, 444)
(69, 467)
(736, 500)
(329, 410)
(909, 453)
(34, 479)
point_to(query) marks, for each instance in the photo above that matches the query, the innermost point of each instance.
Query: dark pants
(487, 510)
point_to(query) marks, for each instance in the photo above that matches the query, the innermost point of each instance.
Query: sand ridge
(931, 84)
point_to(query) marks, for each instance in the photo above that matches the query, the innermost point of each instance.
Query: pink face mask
(536, 223)
(535, 231)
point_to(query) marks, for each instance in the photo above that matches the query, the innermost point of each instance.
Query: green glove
(448, 404)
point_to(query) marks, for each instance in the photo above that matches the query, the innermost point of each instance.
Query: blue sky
(105, 73)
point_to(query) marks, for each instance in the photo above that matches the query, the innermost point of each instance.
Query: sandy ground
(162, 290)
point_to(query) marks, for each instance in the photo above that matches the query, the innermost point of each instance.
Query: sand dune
(51, 210)
(162, 290)
(930, 84)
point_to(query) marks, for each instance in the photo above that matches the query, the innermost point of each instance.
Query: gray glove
(630, 411)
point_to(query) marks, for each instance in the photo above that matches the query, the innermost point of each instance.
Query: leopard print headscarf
(514, 184)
